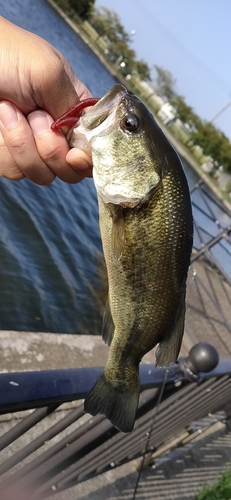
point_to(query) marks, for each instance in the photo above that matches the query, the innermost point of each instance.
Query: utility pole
(220, 112)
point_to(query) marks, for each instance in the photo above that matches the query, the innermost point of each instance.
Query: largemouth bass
(146, 228)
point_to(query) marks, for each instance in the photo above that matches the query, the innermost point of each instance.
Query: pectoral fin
(108, 325)
(169, 347)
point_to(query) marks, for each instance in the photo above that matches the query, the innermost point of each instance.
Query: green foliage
(165, 83)
(82, 8)
(218, 491)
(142, 69)
(184, 111)
(63, 4)
(214, 143)
(108, 25)
(228, 187)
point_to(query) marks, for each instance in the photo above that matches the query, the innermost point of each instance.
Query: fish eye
(130, 123)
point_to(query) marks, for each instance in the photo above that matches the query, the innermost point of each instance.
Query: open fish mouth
(99, 120)
(103, 108)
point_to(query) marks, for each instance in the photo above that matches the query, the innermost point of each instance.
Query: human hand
(37, 85)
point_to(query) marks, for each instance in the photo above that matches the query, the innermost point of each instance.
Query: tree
(142, 69)
(214, 143)
(206, 135)
(83, 8)
(184, 111)
(164, 83)
(107, 23)
(122, 53)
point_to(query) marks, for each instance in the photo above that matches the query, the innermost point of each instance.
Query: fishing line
(150, 433)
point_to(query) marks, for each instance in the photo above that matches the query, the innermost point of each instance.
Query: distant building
(147, 86)
(208, 165)
(211, 166)
(167, 113)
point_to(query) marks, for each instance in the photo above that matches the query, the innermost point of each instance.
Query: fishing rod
(153, 421)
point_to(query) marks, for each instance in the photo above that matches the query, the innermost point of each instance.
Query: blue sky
(190, 38)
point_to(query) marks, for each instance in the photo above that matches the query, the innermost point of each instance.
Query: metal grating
(208, 299)
(212, 230)
(62, 456)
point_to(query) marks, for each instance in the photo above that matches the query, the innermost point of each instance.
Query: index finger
(53, 147)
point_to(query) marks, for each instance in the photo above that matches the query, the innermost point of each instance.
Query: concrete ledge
(23, 351)
(28, 351)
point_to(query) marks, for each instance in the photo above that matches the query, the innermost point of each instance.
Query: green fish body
(146, 228)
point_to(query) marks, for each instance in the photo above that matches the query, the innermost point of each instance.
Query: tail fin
(117, 402)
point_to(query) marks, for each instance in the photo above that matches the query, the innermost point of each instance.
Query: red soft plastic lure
(71, 117)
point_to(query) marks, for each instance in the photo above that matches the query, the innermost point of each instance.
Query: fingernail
(8, 115)
(78, 159)
(81, 165)
(39, 123)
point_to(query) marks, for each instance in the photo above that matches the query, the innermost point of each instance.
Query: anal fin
(108, 325)
(169, 347)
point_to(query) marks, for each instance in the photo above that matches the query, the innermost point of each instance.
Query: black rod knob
(203, 357)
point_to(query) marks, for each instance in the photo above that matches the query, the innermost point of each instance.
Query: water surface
(49, 238)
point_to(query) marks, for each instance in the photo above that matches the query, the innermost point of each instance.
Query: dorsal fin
(169, 347)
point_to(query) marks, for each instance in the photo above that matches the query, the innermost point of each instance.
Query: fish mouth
(98, 120)
(104, 107)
